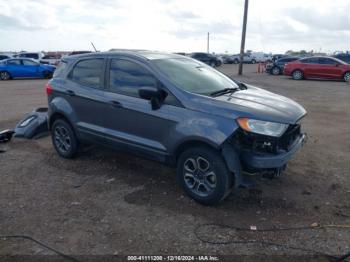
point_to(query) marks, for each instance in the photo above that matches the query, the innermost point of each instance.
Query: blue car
(24, 68)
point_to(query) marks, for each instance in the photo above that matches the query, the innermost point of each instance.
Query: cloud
(174, 25)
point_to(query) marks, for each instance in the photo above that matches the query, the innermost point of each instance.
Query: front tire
(253, 61)
(64, 139)
(236, 61)
(5, 75)
(203, 175)
(347, 77)
(297, 75)
(275, 71)
(212, 64)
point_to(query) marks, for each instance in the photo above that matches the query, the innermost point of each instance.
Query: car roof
(147, 55)
(20, 58)
(29, 53)
(330, 57)
(289, 57)
(342, 54)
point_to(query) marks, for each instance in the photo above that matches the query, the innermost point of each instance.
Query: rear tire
(236, 61)
(64, 139)
(47, 74)
(297, 75)
(347, 77)
(5, 75)
(203, 174)
(212, 64)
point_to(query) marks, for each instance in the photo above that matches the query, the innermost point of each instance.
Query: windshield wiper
(241, 85)
(224, 91)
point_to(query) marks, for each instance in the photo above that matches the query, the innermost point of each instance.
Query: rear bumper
(265, 161)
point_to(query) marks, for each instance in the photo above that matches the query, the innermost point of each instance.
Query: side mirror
(155, 95)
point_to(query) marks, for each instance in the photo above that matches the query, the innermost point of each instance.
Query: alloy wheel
(297, 75)
(62, 139)
(347, 77)
(4, 76)
(275, 71)
(199, 177)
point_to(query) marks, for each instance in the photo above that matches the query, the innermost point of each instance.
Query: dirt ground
(109, 203)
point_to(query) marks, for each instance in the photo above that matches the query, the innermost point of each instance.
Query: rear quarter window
(61, 68)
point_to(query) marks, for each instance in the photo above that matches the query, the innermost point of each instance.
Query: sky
(174, 25)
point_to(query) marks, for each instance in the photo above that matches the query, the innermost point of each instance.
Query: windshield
(193, 76)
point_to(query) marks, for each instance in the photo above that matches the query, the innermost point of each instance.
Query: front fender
(197, 126)
(233, 162)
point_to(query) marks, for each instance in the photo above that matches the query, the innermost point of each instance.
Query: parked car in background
(37, 56)
(3, 57)
(24, 68)
(79, 52)
(224, 58)
(261, 57)
(275, 57)
(209, 59)
(344, 57)
(318, 67)
(175, 110)
(247, 58)
(51, 59)
(233, 59)
(277, 67)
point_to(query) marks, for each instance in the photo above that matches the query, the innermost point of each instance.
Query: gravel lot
(105, 203)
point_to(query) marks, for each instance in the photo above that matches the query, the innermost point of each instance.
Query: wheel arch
(182, 147)
(60, 108)
(297, 69)
(59, 115)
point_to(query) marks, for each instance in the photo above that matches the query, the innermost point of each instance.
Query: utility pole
(244, 29)
(208, 43)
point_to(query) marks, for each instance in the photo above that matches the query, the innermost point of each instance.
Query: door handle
(70, 92)
(116, 104)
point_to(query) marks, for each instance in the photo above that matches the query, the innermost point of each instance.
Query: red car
(318, 67)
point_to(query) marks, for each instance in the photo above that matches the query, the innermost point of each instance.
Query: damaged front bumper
(268, 161)
(253, 154)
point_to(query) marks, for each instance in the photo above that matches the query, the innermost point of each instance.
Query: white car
(51, 59)
(262, 57)
(37, 56)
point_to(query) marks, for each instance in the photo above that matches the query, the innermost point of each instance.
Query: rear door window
(88, 72)
(327, 61)
(29, 62)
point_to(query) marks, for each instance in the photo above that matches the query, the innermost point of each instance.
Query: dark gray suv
(175, 110)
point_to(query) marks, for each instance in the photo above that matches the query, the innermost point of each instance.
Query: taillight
(49, 89)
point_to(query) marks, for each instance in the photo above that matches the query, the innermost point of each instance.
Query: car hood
(257, 103)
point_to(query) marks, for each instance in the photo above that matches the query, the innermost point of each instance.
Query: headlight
(262, 127)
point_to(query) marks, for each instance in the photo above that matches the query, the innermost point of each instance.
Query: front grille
(266, 144)
(288, 138)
